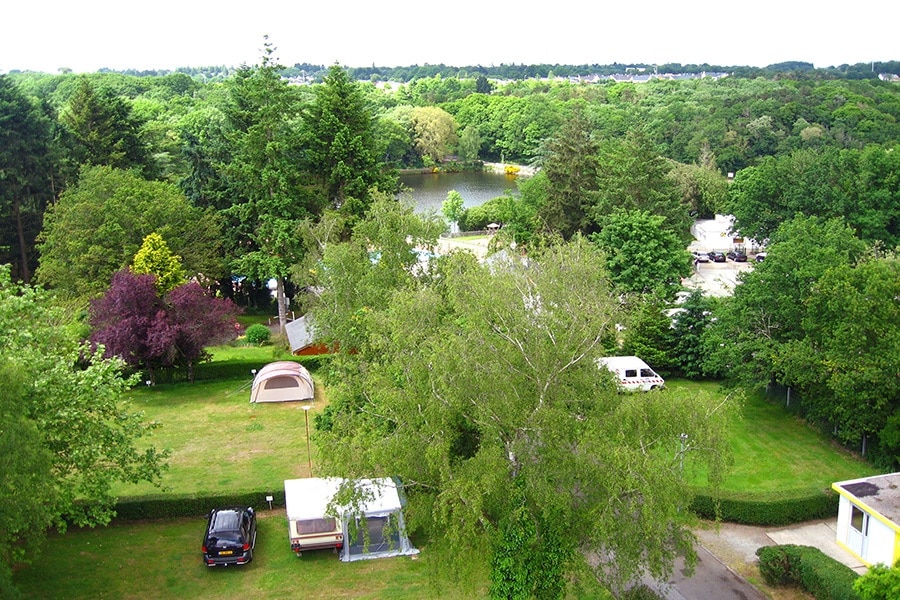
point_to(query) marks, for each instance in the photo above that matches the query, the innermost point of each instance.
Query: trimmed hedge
(161, 506)
(768, 509)
(817, 573)
(236, 369)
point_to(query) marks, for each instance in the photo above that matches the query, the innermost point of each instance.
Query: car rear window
(225, 522)
(313, 526)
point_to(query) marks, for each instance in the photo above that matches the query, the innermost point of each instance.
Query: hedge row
(161, 506)
(819, 574)
(234, 369)
(768, 509)
(743, 509)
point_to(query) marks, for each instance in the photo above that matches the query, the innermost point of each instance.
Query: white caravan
(632, 374)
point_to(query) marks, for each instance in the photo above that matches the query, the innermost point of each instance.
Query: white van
(632, 373)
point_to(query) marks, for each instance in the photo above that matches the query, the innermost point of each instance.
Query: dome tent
(282, 381)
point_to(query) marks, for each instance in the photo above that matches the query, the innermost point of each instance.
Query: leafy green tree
(703, 189)
(860, 186)
(452, 207)
(434, 132)
(643, 255)
(339, 145)
(69, 435)
(633, 176)
(845, 364)
(155, 258)
(103, 129)
(360, 275)
(648, 334)
(27, 493)
(688, 328)
(766, 313)
(98, 225)
(469, 144)
(490, 407)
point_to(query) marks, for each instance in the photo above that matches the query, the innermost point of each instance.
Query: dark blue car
(230, 536)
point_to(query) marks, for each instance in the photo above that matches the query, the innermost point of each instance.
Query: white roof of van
(619, 362)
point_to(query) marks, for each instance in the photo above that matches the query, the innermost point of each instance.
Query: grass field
(161, 560)
(775, 451)
(220, 442)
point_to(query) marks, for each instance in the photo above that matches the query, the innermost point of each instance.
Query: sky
(87, 35)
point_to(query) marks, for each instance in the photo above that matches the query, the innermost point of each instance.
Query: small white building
(868, 517)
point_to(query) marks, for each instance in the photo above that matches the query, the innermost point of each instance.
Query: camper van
(309, 528)
(372, 529)
(632, 374)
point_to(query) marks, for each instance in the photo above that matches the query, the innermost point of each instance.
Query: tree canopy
(490, 407)
(97, 227)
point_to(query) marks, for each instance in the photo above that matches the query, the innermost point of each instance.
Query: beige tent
(282, 381)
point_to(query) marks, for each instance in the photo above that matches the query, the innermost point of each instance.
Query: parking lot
(716, 279)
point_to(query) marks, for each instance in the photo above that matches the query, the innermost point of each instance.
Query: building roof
(879, 492)
(300, 333)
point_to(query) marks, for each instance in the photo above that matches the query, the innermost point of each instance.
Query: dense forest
(173, 127)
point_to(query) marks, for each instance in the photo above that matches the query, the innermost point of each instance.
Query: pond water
(429, 190)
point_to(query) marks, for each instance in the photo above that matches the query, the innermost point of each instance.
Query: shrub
(819, 574)
(880, 582)
(258, 334)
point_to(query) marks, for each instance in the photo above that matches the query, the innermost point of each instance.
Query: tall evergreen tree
(339, 145)
(571, 170)
(104, 131)
(26, 175)
(270, 197)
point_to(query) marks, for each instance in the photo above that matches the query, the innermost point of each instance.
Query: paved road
(712, 580)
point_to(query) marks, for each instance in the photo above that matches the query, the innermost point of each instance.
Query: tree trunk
(24, 274)
(282, 304)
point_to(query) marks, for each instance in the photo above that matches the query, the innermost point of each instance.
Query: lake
(429, 190)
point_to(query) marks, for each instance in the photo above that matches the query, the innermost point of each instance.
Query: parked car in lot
(700, 257)
(716, 256)
(230, 536)
(760, 256)
(737, 256)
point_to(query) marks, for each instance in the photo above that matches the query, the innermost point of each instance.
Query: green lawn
(220, 442)
(775, 451)
(161, 560)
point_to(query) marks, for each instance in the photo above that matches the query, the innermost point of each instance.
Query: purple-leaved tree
(198, 320)
(133, 322)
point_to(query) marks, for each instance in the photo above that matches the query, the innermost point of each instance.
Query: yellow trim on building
(872, 512)
(858, 557)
